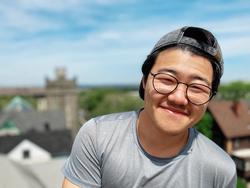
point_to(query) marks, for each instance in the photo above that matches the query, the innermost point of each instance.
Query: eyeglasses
(197, 94)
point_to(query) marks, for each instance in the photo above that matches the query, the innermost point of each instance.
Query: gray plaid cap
(179, 37)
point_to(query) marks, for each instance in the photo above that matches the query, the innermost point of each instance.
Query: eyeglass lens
(196, 93)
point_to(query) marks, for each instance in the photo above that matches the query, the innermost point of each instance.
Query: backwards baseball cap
(199, 38)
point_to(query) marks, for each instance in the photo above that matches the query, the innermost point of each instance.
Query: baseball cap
(199, 38)
(196, 37)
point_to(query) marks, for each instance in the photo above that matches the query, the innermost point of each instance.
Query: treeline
(234, 91)
(4, 101)
(101, 101)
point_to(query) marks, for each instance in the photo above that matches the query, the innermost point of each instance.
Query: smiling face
(173, 113)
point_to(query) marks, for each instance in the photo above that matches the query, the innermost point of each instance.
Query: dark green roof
(8, 124)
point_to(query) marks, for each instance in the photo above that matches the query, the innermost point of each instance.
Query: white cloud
(223, 6)
(231, 25)
(36, 16)
(62, 5)
(56, 5)
(16, 19)
(236, 46)
(233, 34)
(120, 44)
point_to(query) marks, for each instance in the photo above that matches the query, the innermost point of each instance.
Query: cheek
(199, 113)
(151, 94)
(150, 98)
(148, 89)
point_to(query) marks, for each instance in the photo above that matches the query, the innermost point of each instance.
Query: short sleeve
(82, 167)
(233, 181)
(226, 175)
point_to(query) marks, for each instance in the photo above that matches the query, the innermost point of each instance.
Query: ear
(143, 82)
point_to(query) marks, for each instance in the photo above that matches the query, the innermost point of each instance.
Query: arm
(68, 184)
(82, 168)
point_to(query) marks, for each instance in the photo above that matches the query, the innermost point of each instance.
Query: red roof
(233, 117)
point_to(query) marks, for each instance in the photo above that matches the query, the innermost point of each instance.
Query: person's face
(173, 113)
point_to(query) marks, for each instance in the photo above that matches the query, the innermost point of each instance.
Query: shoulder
(213, 157)
(97, 132)
(108, 123)
(105, 132)
(210, 150)
(110, 119)
(116, 117)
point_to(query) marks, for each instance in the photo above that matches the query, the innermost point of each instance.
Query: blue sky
(106, 41)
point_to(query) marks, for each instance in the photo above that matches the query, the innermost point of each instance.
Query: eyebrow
(174, 72)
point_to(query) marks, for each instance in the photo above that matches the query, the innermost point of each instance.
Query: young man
(156, 147)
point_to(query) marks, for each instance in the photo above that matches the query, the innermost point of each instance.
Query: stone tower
(62, 95)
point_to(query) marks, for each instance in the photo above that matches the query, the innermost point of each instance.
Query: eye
(165, 79)
(199, 88)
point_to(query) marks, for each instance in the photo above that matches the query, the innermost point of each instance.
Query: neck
(159, 143)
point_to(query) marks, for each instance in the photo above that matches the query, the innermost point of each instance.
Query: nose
(179, 95)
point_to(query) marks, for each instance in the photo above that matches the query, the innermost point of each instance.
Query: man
(156, 147)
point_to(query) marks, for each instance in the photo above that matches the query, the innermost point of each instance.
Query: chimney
(237, 108)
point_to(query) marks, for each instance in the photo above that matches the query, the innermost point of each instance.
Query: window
(47, 126)
(26, 154)
(236, 144)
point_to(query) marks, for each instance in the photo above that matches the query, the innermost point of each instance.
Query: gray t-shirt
(106, 153)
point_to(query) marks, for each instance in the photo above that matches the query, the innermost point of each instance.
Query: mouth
(174, 111)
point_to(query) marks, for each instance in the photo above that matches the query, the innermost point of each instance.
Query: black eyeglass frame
(212, 93)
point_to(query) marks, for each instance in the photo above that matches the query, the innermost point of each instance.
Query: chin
(173, 128)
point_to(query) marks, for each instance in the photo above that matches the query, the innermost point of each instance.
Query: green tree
(91, 98)
(103, 101)
(235, 90)
(241, 183)
(4, 100)
(205, 125)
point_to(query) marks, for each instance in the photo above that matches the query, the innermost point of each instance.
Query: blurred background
(66, 61)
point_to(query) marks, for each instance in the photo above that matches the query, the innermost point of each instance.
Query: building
(34, 142)
(231, 128)
(39, 175)
(231, 131)
(59, 94)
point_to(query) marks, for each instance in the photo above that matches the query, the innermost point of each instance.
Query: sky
(104, 42)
